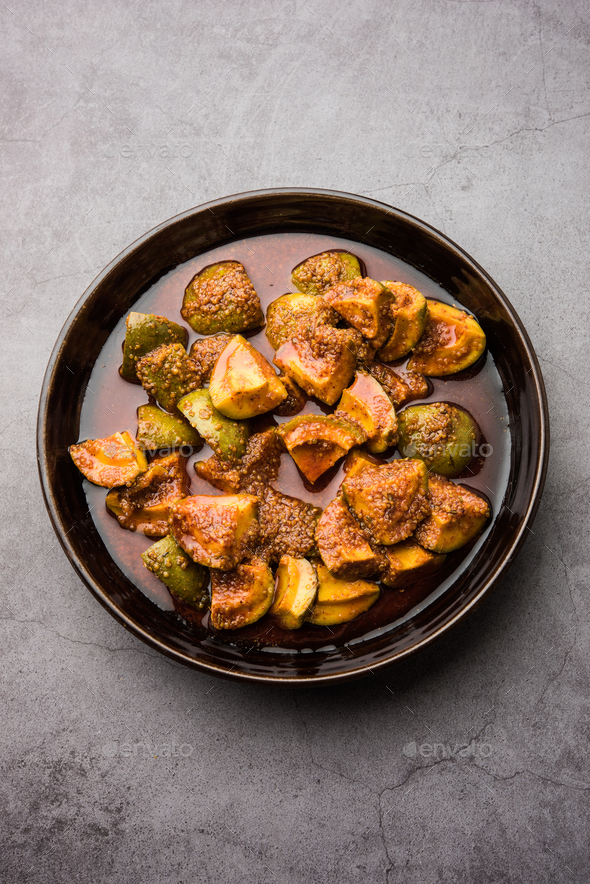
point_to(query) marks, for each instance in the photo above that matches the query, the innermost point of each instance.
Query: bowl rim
(525, 520)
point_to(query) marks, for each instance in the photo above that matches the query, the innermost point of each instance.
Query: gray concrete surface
(473, 116)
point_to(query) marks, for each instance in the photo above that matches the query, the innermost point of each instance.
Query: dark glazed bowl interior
(114, 292)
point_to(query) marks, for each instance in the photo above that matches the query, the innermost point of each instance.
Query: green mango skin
(409, 320)
(221, 298)
(441, 435)
(185, 579)
(168, 373)
(226, 437)
(452, 341)
(145, 332)
(157, 429)
(296, 313)
(320, 273)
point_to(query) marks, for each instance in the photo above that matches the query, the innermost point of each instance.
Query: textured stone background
(473, 116)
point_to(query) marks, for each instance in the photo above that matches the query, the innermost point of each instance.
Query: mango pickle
(345, 547)
(146, 332)
(206, 351)
(259, 465)
(168, 373)
(144, 506)
(295, 593)
(318, 274)
(408, 312)
(158, 429)
(243, 383)
(287, 525)
(400, 389)
(366, 305)
(440, 434)
(407, 562)
(339, 600)
(226, 437)
(367, 403)
(115, 460)
(216, 531)
(184, 579)
(322, 365)
(296, 398)
(295, 315)
(221, 298)
(452, 341)
(389, 500)
(263, 553)
(457, 516)
(316, 442)
(241, 596)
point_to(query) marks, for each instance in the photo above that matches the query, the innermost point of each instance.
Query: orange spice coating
(222, 298)
(206, 351)
(144, 505)
(390, 500)
(343, 544)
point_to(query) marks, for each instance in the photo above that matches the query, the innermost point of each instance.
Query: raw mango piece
(221, 298)
(168, 373)
(339, 601)
(241, 596)
(144, 506)
(441, 435)
(243, 383)
(400, 389)
(145, 332)
(295, 593)
(343, 545)
(216, 531)
(184, 579)
(457, 516)
(316, 442)
(318, 274)
(258, 467)
(452, 341)
(408, 312)
(367, 403)
(227, 438)
(296, 315)
(115, 460)
(157, 429)
(407, 562)
(322, 365)
(296, 398)
(287, 525)
(206, 351)
(358, 460)
(364, 350)
(366, 305)
(389, 500)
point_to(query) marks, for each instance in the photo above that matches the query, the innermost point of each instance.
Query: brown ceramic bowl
(286, 210)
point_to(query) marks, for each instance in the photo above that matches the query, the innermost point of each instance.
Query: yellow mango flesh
(216, 530)
(340, 601)
(243, 383)
(367, 403)
(452, 341)
(113, 461)
(295, 591)
(408, 561)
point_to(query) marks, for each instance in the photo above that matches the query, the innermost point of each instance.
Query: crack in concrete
(476, 148)
(79, 641)
(317, 764)
(579, 379)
